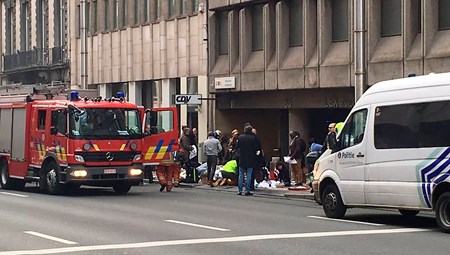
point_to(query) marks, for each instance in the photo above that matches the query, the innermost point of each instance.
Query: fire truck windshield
(105, 123)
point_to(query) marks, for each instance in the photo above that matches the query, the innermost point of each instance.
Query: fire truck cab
(64, 143)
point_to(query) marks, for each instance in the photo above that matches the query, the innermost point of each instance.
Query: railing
(36, 57)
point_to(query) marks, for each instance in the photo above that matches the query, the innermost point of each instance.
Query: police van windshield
(101, 123)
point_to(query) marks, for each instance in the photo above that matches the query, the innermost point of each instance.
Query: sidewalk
(274, 192)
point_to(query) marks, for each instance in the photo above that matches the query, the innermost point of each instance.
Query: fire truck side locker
(13, 139)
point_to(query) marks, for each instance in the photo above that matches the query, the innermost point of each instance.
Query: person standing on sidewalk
(211, 148)
(297, 149)
(247, 146)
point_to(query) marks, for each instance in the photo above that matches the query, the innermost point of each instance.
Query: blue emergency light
(74, 96)
(120, 95)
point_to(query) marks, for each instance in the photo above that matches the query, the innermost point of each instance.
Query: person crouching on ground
(211, 148)
(229, 174)
(282, 174)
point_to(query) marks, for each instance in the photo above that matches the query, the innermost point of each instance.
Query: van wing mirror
(337, 147)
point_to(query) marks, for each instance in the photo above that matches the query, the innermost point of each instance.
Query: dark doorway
(320, 118)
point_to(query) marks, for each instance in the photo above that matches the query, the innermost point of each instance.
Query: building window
(94, 16)
(156, 10)
(116, 14)
(25, 24)
(295, 23)
(42, 24)
(136, 12)
(10, 30)
(257, 28)
(88, 18)
(146, 11)
(182, 7)
(194, 6)
(124, 13)
(340, 19)
(171, 8)
(444, 14)
(60, 22)
(222, 32)
(391, 17)
(106, 15)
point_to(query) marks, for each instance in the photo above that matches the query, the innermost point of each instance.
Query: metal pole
(83, 36)
(360, 50)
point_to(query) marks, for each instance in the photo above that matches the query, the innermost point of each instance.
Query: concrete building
(288, 64)
(34, 41)
(150, 49)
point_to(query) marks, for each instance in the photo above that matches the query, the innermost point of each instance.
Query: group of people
(242, 156)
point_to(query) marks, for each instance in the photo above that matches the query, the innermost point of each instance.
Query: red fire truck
(63, 143)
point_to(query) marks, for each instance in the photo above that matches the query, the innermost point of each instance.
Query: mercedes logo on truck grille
(109, 156)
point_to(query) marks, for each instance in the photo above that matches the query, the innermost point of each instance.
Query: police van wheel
(332, 202)
(6, 181)
(443, 212)
(122, 188)
(408, 213)
(52, 184)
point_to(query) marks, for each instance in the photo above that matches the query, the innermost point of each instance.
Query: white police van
(393, 151)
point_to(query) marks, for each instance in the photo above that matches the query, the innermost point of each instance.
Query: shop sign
(225, 83)
(188, 99)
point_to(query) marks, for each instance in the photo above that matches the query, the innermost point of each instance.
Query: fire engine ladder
(21, 92)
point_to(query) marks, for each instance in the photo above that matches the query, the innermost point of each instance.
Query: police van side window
(41, 119)
(353, 131)
(412, 125)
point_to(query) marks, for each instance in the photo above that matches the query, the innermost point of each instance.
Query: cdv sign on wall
(188, 99)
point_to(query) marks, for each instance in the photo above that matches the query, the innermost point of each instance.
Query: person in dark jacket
(297, 149)
(247, 146)
(330, 139)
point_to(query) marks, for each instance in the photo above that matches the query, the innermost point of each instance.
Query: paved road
(198, 221)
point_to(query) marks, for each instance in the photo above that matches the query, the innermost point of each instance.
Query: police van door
(161, 134)
(350, 157)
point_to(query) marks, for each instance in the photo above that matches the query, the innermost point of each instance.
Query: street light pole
(360, 48)
(83, 52)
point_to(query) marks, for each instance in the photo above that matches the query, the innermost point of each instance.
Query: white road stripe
(347, 221)
(214, 240)
(50, 237)
(13, 194)
(196, 225)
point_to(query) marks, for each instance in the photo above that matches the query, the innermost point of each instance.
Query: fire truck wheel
(52, 184)
(122, 188)
(6, 181)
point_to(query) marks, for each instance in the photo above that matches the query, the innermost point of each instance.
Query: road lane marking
(196, 225)
(49, 237)
(347, 221)
(214, 240)
(13, 194)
